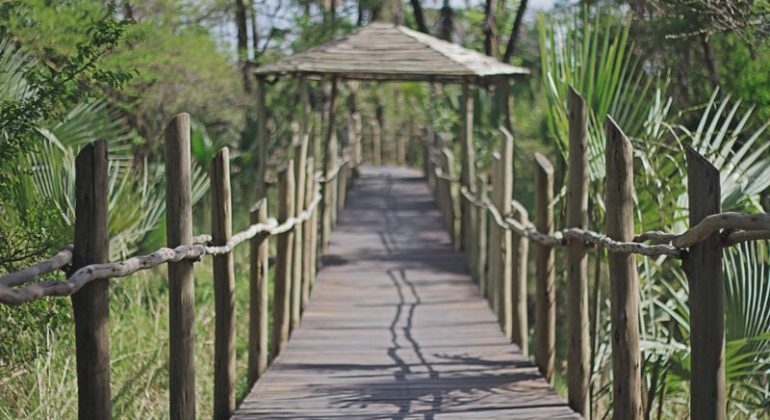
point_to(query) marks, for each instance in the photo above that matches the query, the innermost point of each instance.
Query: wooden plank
(258, 296)
(224, 287)
(283, 268)
(396, 327)
(545, 271)
(180, 274)
(703, 267)
(91, 304)
(624, 284)
(578, 349)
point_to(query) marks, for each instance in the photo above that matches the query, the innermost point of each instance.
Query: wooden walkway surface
(396, 327)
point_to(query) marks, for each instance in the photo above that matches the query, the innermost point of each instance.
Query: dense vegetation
(73, 71)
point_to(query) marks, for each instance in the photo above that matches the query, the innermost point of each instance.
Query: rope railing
(11, 295)
(739, 227)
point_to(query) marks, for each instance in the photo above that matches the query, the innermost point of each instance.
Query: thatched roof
(383, 51)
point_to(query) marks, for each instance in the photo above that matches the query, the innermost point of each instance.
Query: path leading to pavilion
(396, 328)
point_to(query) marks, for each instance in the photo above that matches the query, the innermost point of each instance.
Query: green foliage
(591, 53)
(48, 91)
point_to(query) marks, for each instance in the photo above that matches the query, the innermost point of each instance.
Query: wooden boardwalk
(396, 327)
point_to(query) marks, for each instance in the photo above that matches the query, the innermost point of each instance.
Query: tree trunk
(510, 48)
(243, 42)
(709, 59)
(446, 25)
(254, 32)
(419, 17)
(490, 28)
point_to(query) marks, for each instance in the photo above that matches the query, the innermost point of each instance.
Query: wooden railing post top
(179, 124)
(285, 169)
(223, 155)
(574, 97)
(695, 158)
(262, 202)
(543, 164)
(507, 135)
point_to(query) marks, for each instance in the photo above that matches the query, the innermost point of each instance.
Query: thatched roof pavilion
(387, 52)
(384, 51)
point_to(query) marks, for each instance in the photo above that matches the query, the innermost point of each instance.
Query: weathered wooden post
(314, 233)
(224, 287)
(283, 269)
(342, 186)
(330, 160)
(703, 266)
(468, 166)
(380, 145)
(578, 350)
(493, 243)
(450, 196)
(258, 296)
(300, 165)
(354, 129)
(180, 274)
(376, 143)
(307, 244)
(545, 272)
(624, 289)
(520, 258)
(91, 304)
(481, 236)
(503, 203)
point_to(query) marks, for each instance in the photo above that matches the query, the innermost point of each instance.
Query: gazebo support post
(467, 175)
(304, 121)
(262, 139)
(504, 89)
(330, 151)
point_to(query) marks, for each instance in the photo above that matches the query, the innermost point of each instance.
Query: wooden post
(504, 87)
(263, 139)
(300, 165)
(376, 143)
(453, 219)
(703, 266)
(357, 150)
(520, 258)
(306, 113)
(493, 244)
(578, 350)
(283, 269)
(314, 233)
(342, 186)
(481, 237)
(468, 166)
(258, 296)
(624, 289)
(330, 160)
(545, 271)
(224, 287)
(91, 304)
(180, 274)
(307, 235)
(354, 127)
(503, 203)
